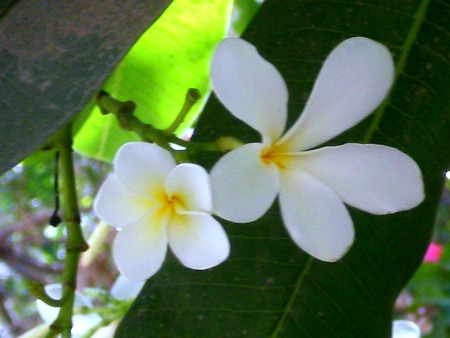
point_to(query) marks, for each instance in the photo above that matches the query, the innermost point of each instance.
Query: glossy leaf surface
(269, 287)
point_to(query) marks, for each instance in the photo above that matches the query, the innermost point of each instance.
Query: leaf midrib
(291, 301)
(399, 67)
(379, 113)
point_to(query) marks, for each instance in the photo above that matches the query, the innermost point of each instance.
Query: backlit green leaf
(171, 57)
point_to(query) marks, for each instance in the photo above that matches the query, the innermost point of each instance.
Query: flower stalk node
(124, 112)
(81, 247)
(108, 104)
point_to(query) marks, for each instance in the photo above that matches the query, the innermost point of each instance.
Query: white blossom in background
(405, 329)
(312, 184)
(36, 332)
(82, 323)
(124, 289)
(156, 203)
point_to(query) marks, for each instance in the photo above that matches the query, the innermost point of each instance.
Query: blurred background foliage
(426, 298)
(30, 248)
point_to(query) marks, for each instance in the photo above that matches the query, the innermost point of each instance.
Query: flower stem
(124, 112)
(192, 96)
(38, 291)
(75, 243)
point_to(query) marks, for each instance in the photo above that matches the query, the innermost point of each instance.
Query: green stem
(192, 96)
(75, 243)
(38, 291)
(124, 114)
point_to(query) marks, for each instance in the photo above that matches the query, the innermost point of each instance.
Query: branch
(75, 243)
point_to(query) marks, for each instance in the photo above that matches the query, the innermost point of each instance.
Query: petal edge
(315, 218)
(374, 178)
(250, 87)
(354, 79)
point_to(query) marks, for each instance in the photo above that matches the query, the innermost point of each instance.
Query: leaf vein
(336, 305)
(400, 66)
(291, 300)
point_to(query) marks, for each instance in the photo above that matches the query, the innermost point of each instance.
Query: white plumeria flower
(157, 203)
(405, 329)
(313, 185)
(124, 289)
(81, 323)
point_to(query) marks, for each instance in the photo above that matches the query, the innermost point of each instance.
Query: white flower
(405, 329)
(81, 323)
(158, 203)
(313, 185)
(124, 289)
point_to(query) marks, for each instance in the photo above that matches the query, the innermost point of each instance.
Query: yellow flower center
(169, 207)
(274, 155)
(171, 204)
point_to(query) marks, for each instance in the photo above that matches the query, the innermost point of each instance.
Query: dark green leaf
(269, 287)
(54, 57)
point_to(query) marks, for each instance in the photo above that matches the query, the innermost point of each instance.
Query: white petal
(143, 167)
(244, 187)
(140, 248)
(374, 178)
(124, 289)
(405, 329)
(106, 331)
(116, 205)
(81, 323)
(198, 241)
(49, 313)
(353, 81)
(315, 217)
(191, 184)
(251, 88)
(36, 332)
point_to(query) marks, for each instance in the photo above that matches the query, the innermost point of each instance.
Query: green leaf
(268, 287)
(171, 57)
(53, 58)
(245, 10)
